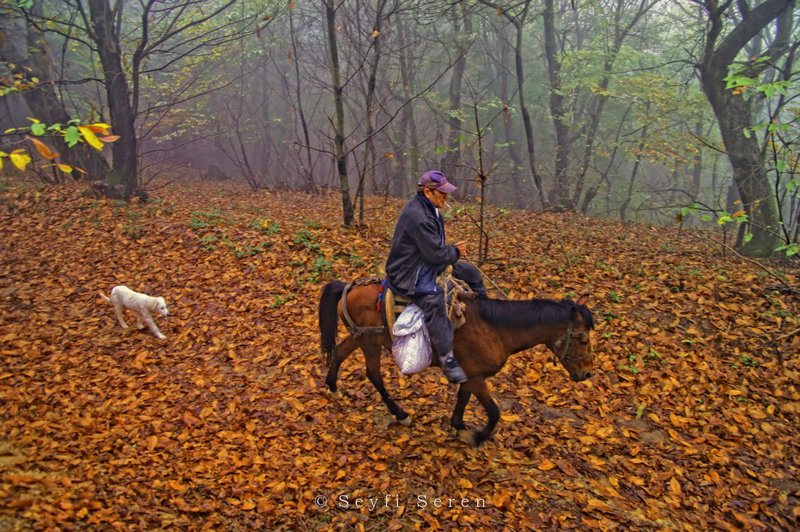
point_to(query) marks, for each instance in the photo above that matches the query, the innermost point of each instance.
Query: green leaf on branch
(771, 89)
(789, 249)
(737, 80)
(71, 136)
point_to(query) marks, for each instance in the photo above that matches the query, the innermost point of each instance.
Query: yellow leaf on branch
(90, 138)
(20, 159)
(99, 128)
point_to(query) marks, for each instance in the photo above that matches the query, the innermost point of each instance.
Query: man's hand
(462, 248)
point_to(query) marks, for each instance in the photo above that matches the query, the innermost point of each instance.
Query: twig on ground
(754, 262)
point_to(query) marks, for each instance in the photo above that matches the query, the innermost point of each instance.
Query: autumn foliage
(690, 422)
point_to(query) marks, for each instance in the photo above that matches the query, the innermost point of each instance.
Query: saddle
(395, 304)
(391, 305)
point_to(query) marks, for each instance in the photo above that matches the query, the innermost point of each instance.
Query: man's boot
(451, 369)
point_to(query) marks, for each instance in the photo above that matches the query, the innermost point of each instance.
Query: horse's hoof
(335, 394)
(468, 437)
(406, 421)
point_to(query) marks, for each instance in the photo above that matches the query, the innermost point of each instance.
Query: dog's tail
(105, 297)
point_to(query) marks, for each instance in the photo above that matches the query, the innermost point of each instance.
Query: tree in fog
(135, 46)
(757, 36)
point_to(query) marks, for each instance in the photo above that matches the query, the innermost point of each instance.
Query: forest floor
(689, 423)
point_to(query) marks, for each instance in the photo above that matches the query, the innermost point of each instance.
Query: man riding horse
(419, 254)
(492, 329)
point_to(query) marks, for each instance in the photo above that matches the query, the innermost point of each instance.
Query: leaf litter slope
(690, 422)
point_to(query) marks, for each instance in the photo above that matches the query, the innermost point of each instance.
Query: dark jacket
(419, 252)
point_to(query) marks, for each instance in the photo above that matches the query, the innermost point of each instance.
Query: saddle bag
(411, 346)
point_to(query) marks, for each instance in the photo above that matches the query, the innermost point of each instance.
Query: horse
(493, 330)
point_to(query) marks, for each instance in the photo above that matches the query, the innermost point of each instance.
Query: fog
(592, 107)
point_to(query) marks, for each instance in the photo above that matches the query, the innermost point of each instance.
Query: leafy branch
(73, 133)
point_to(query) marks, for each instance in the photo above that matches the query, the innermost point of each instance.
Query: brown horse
(493, 330)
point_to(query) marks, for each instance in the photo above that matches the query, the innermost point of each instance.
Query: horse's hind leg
(479, 389)
(457, 420)
(372, 355)
(340, 353)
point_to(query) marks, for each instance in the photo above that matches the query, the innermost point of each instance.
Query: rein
(503, 292)
(565, 340)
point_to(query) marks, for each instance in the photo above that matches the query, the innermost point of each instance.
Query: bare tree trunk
(561, 198)
(104, 29)
(500, 70)
(526, 117)
(629, 193)
(591, 193)
(308, 168)
(369, 144)
(505, 97)
(409, 123)
(697, 164)
(348, 214)
(463, 31)
(600, 98)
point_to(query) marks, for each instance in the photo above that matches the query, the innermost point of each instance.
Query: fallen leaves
(689, 423)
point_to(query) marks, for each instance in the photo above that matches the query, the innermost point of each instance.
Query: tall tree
(140, 42)
(499, 50)
(370, 105)
(306, 164)
(518, 17)
(348, 214)
(600, 32)
(625, 16)
(103, 24)
(735, 112)
(409, 139)
(462, 25)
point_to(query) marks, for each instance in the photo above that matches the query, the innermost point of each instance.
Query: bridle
(565, 341)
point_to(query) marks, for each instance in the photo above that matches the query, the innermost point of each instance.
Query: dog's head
(161, 306)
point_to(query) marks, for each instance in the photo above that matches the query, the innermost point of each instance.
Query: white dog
(141, 304)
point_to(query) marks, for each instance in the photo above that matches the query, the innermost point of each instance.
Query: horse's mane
(519, 314)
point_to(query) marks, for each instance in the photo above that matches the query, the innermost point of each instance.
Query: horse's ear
(583, 299)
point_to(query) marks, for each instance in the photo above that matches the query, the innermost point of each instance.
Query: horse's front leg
(372, 356)
(457, 420)
(477, 386)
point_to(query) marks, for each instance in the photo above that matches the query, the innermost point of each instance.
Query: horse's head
(574, 348)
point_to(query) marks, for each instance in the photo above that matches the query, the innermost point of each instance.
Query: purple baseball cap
(436, 180)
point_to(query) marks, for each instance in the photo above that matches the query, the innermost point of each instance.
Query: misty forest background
(233, 156)
(631, 109)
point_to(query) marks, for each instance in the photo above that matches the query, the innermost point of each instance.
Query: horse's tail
(328, 317)
(104, 296)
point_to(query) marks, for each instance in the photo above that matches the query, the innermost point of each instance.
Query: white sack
(411, 347)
